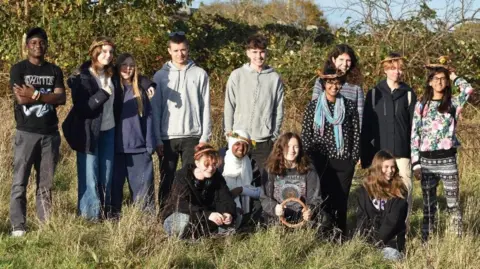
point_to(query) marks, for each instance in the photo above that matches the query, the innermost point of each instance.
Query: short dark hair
(177, 39)
(36, 32)
(257, 42)
(332, 71)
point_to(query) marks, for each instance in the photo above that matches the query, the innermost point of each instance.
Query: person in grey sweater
(181, 110)
(254, 100)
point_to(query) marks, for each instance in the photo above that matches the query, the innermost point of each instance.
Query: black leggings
(335, 186)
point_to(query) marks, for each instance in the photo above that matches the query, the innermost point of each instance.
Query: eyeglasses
(442, 79)
(172, 34)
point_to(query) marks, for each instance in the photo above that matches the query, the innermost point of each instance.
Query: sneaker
(18, 233)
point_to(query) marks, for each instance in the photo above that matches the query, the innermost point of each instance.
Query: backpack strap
(373, 97)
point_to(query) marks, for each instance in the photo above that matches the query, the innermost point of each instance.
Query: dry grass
(138, 241)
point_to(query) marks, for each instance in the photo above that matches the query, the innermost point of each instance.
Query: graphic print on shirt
(39, 110)
(291, 186)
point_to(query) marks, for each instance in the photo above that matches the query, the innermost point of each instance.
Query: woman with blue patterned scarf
(331, 138)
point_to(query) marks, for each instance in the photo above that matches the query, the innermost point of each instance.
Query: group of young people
(120, 118)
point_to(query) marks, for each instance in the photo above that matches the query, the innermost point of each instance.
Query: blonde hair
(135, 84)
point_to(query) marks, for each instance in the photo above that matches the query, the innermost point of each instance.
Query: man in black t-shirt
(38, 89)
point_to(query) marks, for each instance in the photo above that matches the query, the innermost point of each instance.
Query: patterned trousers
(434, 170)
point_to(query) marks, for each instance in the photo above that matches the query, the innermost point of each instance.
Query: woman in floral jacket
(434, 144)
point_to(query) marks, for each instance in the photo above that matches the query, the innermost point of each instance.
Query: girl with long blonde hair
(134, 137)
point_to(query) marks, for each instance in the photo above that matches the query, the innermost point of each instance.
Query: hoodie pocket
(265, 129)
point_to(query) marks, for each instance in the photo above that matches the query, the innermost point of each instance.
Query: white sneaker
(18, 233)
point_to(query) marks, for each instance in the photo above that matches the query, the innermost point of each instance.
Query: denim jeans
(176, 224)
(95, 172)
(41, 152)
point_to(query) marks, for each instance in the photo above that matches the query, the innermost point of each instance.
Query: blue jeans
(176, 224)
(95, 172)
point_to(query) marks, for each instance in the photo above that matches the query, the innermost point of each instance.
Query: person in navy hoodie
(134, 137)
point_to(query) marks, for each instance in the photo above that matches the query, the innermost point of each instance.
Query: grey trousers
(42, 152)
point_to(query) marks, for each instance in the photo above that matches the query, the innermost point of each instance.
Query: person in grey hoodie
(254, 100)
(181, 111)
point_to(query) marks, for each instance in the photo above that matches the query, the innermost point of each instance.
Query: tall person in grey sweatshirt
(181, 111)
(254, 100)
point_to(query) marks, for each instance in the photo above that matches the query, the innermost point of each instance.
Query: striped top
(349, 91)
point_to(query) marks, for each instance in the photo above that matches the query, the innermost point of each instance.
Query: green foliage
(142, 27)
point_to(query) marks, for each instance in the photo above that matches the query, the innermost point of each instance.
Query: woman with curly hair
(288, 174)
(200, 202)
(382, 207)
(343, 59)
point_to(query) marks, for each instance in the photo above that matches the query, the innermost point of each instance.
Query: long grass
(138, 241)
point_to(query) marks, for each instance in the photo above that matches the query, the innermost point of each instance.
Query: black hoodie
(387, 122)
(386, 226)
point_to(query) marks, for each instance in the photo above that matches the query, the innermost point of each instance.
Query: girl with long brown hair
(382, 207)
(200, 202)
(90, 128)
(288, 174)
(135, 138)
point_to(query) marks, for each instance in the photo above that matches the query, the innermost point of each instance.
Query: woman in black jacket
(90, 128)
(382, 207)
(200, 202)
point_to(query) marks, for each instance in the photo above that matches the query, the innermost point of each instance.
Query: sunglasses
(172, 34)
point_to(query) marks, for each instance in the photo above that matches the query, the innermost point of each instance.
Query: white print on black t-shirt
(39, 80)
(41, 109)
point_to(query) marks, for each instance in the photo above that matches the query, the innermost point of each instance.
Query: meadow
(138, 241)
